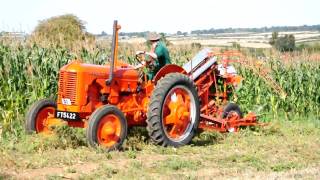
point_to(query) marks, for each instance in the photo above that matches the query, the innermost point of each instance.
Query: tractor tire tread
(154, 124)
(231, 107)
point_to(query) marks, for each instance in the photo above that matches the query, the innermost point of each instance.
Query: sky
(167, 16)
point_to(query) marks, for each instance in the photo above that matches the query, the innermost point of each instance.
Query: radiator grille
(68, 86)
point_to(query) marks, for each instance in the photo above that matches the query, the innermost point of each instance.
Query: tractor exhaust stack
(114, 50)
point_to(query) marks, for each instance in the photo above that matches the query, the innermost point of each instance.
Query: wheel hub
(109, 130)
(43, 120)
(177, 111)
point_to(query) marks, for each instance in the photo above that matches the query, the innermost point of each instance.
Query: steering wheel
(140, 58)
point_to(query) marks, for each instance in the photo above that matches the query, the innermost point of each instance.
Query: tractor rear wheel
(173, 113)
(107, 128)
(38, 115)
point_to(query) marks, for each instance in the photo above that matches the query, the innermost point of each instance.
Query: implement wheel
(173, 114)
(38, 116)
(107, 128)
(232, 113)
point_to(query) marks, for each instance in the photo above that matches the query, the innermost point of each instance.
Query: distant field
(249, 39)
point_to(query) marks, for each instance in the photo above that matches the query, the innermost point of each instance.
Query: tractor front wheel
(37, 118)
(173, 114)
(107, 128)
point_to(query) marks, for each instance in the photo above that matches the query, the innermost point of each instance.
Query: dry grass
(281, 150)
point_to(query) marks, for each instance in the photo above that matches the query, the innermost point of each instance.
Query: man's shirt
(163, 59)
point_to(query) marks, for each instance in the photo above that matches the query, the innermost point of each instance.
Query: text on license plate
(67, 115)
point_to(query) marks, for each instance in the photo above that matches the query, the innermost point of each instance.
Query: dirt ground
(81, 170)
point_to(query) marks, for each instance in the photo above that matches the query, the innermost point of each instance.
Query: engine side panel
(82, 85)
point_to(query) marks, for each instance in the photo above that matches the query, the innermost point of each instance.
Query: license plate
(67, 115)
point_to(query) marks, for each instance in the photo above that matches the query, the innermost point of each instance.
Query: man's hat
(153, 36)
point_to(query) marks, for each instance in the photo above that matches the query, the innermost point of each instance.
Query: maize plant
(28, 73)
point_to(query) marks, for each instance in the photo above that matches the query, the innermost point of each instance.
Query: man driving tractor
(157, 57)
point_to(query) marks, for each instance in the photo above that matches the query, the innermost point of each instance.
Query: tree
(273, 38)
(196, 45)
(66, 31)
(284, 43)
(103, 33)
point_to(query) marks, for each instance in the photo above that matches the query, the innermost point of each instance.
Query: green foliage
(273, 39)
(64, 137)
(236, 45)
(284, 43)
(300, 80)
(196, 45)
(309, 47)
(284, 166)
(137, 137)
(28, 74)
(66, 30)
(31, 73)
(70, 137)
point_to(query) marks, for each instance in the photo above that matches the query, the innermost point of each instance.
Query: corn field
(29, 73)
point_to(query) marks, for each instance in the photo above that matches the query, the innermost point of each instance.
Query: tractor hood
(78, 81)
(123, 70)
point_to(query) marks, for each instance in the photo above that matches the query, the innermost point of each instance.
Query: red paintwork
(85, 85)
(170, 68)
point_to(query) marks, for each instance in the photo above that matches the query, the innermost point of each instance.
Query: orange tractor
(107, 99)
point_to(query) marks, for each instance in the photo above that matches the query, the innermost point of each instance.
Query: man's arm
(153, 55)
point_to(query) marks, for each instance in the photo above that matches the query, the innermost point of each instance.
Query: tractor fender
(169, 68)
